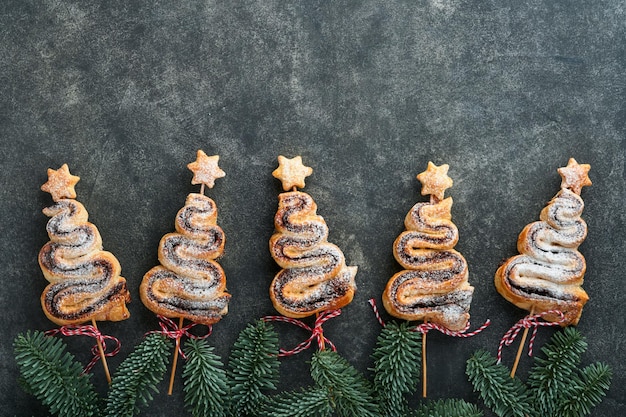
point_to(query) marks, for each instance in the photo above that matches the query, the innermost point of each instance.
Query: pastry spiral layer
(314, 277)
(549, 271)
(434, 284)
(189, 283)
(85, 281)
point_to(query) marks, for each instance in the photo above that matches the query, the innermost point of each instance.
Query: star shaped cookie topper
(205, 169)
(60, 183)
(435, 180)
(291, 172)
(575, 176)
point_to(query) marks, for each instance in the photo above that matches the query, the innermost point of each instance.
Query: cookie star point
(575, 176)
(60, 183)
(435, 180)
(291, 172)
(205, 169)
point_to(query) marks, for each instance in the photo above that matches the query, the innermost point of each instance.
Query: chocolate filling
(433, 258)
(460, 299)
(536, 292)
(56, 293)
(170, 246)
(199, 308)
(324, 294)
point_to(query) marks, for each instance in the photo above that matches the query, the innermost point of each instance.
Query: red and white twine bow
(426, 327)
(532, 320)
(316, 331)
(91, 331)
(171, 330)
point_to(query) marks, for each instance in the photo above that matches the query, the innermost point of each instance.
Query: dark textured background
(367, 92)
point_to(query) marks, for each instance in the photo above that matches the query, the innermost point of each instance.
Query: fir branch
(397, 366)
(350, 393)
(137, 376)
(550, 376)
(585, 391)
(505, 396)
(447, 408)
(204, 379)
(314, 402)
(53, 376)
(253, 367)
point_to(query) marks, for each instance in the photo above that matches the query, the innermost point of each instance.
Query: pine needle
(137, 377)
(253, 368)
(505, 396)
(53, 376)
(351, 394)
(550, 376)
(205, 385)
(447, 408)
(586, 391)
(314, 402)
(397, 363)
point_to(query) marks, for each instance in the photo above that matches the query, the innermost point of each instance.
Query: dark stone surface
(367, 92)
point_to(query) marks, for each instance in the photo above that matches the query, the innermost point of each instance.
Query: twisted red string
(316, 331)
(426, 327)
(376, 312)
(171, 330)
(91, 331)
(526, 323)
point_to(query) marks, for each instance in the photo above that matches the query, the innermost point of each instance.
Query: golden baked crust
(434, 284)
(548, 273)
(85, 281)
(315, 277)
(189, 283)
(291, 172)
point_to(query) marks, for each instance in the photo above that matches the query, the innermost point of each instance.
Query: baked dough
(434, 283)
(189, 283)
(85, 281)
(314, 277)
(548, 273)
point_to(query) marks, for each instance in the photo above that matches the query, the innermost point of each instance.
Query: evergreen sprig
(559, 387)
(447, 408)
(53, 376)
(313, 402)
(551, 375)
(586, 391)
(253, 368)
(556, 385)
(137, 377)
(505, 396)
(397, 367)
(204, 378)
(351, 395)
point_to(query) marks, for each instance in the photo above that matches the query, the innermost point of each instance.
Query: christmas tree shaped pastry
(189, 283)
(314, 277)
(85, 282)
(548, 273)
(433, 286)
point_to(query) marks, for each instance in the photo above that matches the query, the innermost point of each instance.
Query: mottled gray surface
(367, 92)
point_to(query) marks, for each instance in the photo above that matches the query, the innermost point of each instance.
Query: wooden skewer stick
(521, 347)
(202, 189)
(175, 360)
(102, 356)
(424, 370)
